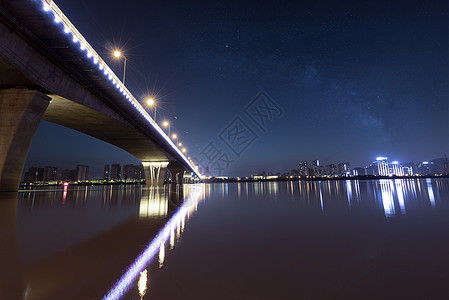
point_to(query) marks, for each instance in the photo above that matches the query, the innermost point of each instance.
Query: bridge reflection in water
(80, 239)
(111, 241)
(157, 245)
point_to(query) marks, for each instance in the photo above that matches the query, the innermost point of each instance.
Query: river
(340, 239)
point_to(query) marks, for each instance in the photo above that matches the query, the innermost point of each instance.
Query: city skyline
(350, 80)
(123, 171)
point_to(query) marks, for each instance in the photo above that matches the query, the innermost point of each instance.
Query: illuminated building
(395, 168)
(423, 168)
(382, 166)
(322, 171)
(378, 167)
(408, 168)
(439, 166)
(316, 167)
(116, 172)
(34, 174)
(344, 169)
(49, 173)
(82, 172)
(359, 171)
(106, 172)
(303, 168)
(331, 170)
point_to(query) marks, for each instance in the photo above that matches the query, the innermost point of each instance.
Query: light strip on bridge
(77, 37)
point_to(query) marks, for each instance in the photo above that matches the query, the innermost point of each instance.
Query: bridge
(49, 71)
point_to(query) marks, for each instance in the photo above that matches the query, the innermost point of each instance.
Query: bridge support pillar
(21, 110)
(155, 173)
(177, 172)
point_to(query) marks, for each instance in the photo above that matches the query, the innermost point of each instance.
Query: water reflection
(95, 232)
(390, 195)
(142, 284)
(156, 245)
(430, 191)
(153, 203)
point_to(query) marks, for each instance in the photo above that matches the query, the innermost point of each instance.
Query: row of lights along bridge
(151, 103)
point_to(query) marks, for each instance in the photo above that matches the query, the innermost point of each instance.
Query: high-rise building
(34, 174)
(439, 166)
(316, 167)
(303, 168)
(371, 169)
(106, 172)
(82, 172)
(331, 170)
(116, 172)
(409, 168)
(140, 172)
(130, 172)
(322, 171)
(49, 173)
(344, 169)
(395, 168)
(381, 166)
(423, 168)
(358, 171)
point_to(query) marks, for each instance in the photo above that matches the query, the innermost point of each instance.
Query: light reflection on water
(156, 245)
(59, 226)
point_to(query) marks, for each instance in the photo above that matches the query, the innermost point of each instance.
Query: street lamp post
(151, 102)
(166, 124)
(175, 136)
(118, 54)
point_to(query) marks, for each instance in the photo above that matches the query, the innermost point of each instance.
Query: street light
(117, 54)
(184, 150)
(166, 124)
(150, 103)
(174, 136)
(179, 144)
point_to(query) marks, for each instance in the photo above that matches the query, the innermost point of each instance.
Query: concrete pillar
(155, 173)
(177, 172)
(21, 110)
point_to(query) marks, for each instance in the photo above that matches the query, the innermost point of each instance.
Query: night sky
(343, 80)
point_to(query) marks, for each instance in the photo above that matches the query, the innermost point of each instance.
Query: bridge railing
(49, 6)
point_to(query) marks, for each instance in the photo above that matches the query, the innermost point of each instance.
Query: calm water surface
(379, 239)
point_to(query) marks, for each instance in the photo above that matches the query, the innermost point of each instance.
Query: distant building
(423, 168)
(130, 172)
(116, 172)
(344, 169)
(82, 172)
(34, 174)
(316, 167)
(140, 172)
(68, 175)
(106, 172)
(331, 170)
(358, 172)
(395, 168)
(409, 168)
(439, 166)
(381, 166)
(371, 170)
(322, 171)
(49, 173)
(303, 169)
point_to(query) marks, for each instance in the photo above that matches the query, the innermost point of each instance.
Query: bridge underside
(91, 122)
(22, 110)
